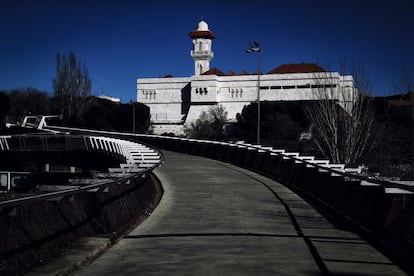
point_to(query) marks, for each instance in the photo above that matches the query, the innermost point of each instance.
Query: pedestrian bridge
(217, 218)
(226, 211)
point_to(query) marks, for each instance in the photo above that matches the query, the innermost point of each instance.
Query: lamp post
(133, 118)
(133, 115)
(255, 48)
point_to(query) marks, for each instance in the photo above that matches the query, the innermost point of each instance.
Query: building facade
(174, 102)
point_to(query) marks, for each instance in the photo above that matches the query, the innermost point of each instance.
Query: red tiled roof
(202, 34)
(297, 68)
(214, 71)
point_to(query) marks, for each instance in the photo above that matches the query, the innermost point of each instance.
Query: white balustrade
(137, 156)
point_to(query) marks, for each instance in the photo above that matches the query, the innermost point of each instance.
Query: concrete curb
(85, 250)
(92, 255)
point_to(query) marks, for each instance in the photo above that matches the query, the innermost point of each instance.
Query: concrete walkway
(217, 219)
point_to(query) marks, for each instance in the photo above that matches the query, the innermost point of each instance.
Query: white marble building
(174, 102)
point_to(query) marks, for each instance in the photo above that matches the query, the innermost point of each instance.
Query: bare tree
(71, 84)
(341, 116)
(406, 85)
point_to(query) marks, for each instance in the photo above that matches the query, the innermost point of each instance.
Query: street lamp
(133, 118)
(255, 48)
(133, 115)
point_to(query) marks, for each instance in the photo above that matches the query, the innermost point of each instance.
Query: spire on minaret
(201, 53)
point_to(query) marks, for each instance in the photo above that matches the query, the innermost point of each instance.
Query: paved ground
(217, 219)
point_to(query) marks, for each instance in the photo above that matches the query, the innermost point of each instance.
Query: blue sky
(120, 41)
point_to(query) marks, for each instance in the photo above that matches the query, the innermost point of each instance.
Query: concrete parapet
(367, 205)
(40, 231)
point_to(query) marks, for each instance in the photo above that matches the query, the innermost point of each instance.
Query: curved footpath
(215, 218)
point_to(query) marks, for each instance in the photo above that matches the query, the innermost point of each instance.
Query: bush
(280, 126)
(210, 124)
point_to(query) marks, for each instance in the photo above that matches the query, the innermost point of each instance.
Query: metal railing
(139, 159)
(309, 161)
(370, 203)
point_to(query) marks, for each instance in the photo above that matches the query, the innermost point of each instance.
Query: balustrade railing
(138, 158)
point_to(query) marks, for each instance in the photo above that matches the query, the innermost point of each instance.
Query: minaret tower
(201, 52)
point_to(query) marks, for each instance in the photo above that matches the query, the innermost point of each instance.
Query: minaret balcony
(207, 54)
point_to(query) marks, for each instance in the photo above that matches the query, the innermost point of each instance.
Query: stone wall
(38, 232)
(166, 97)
